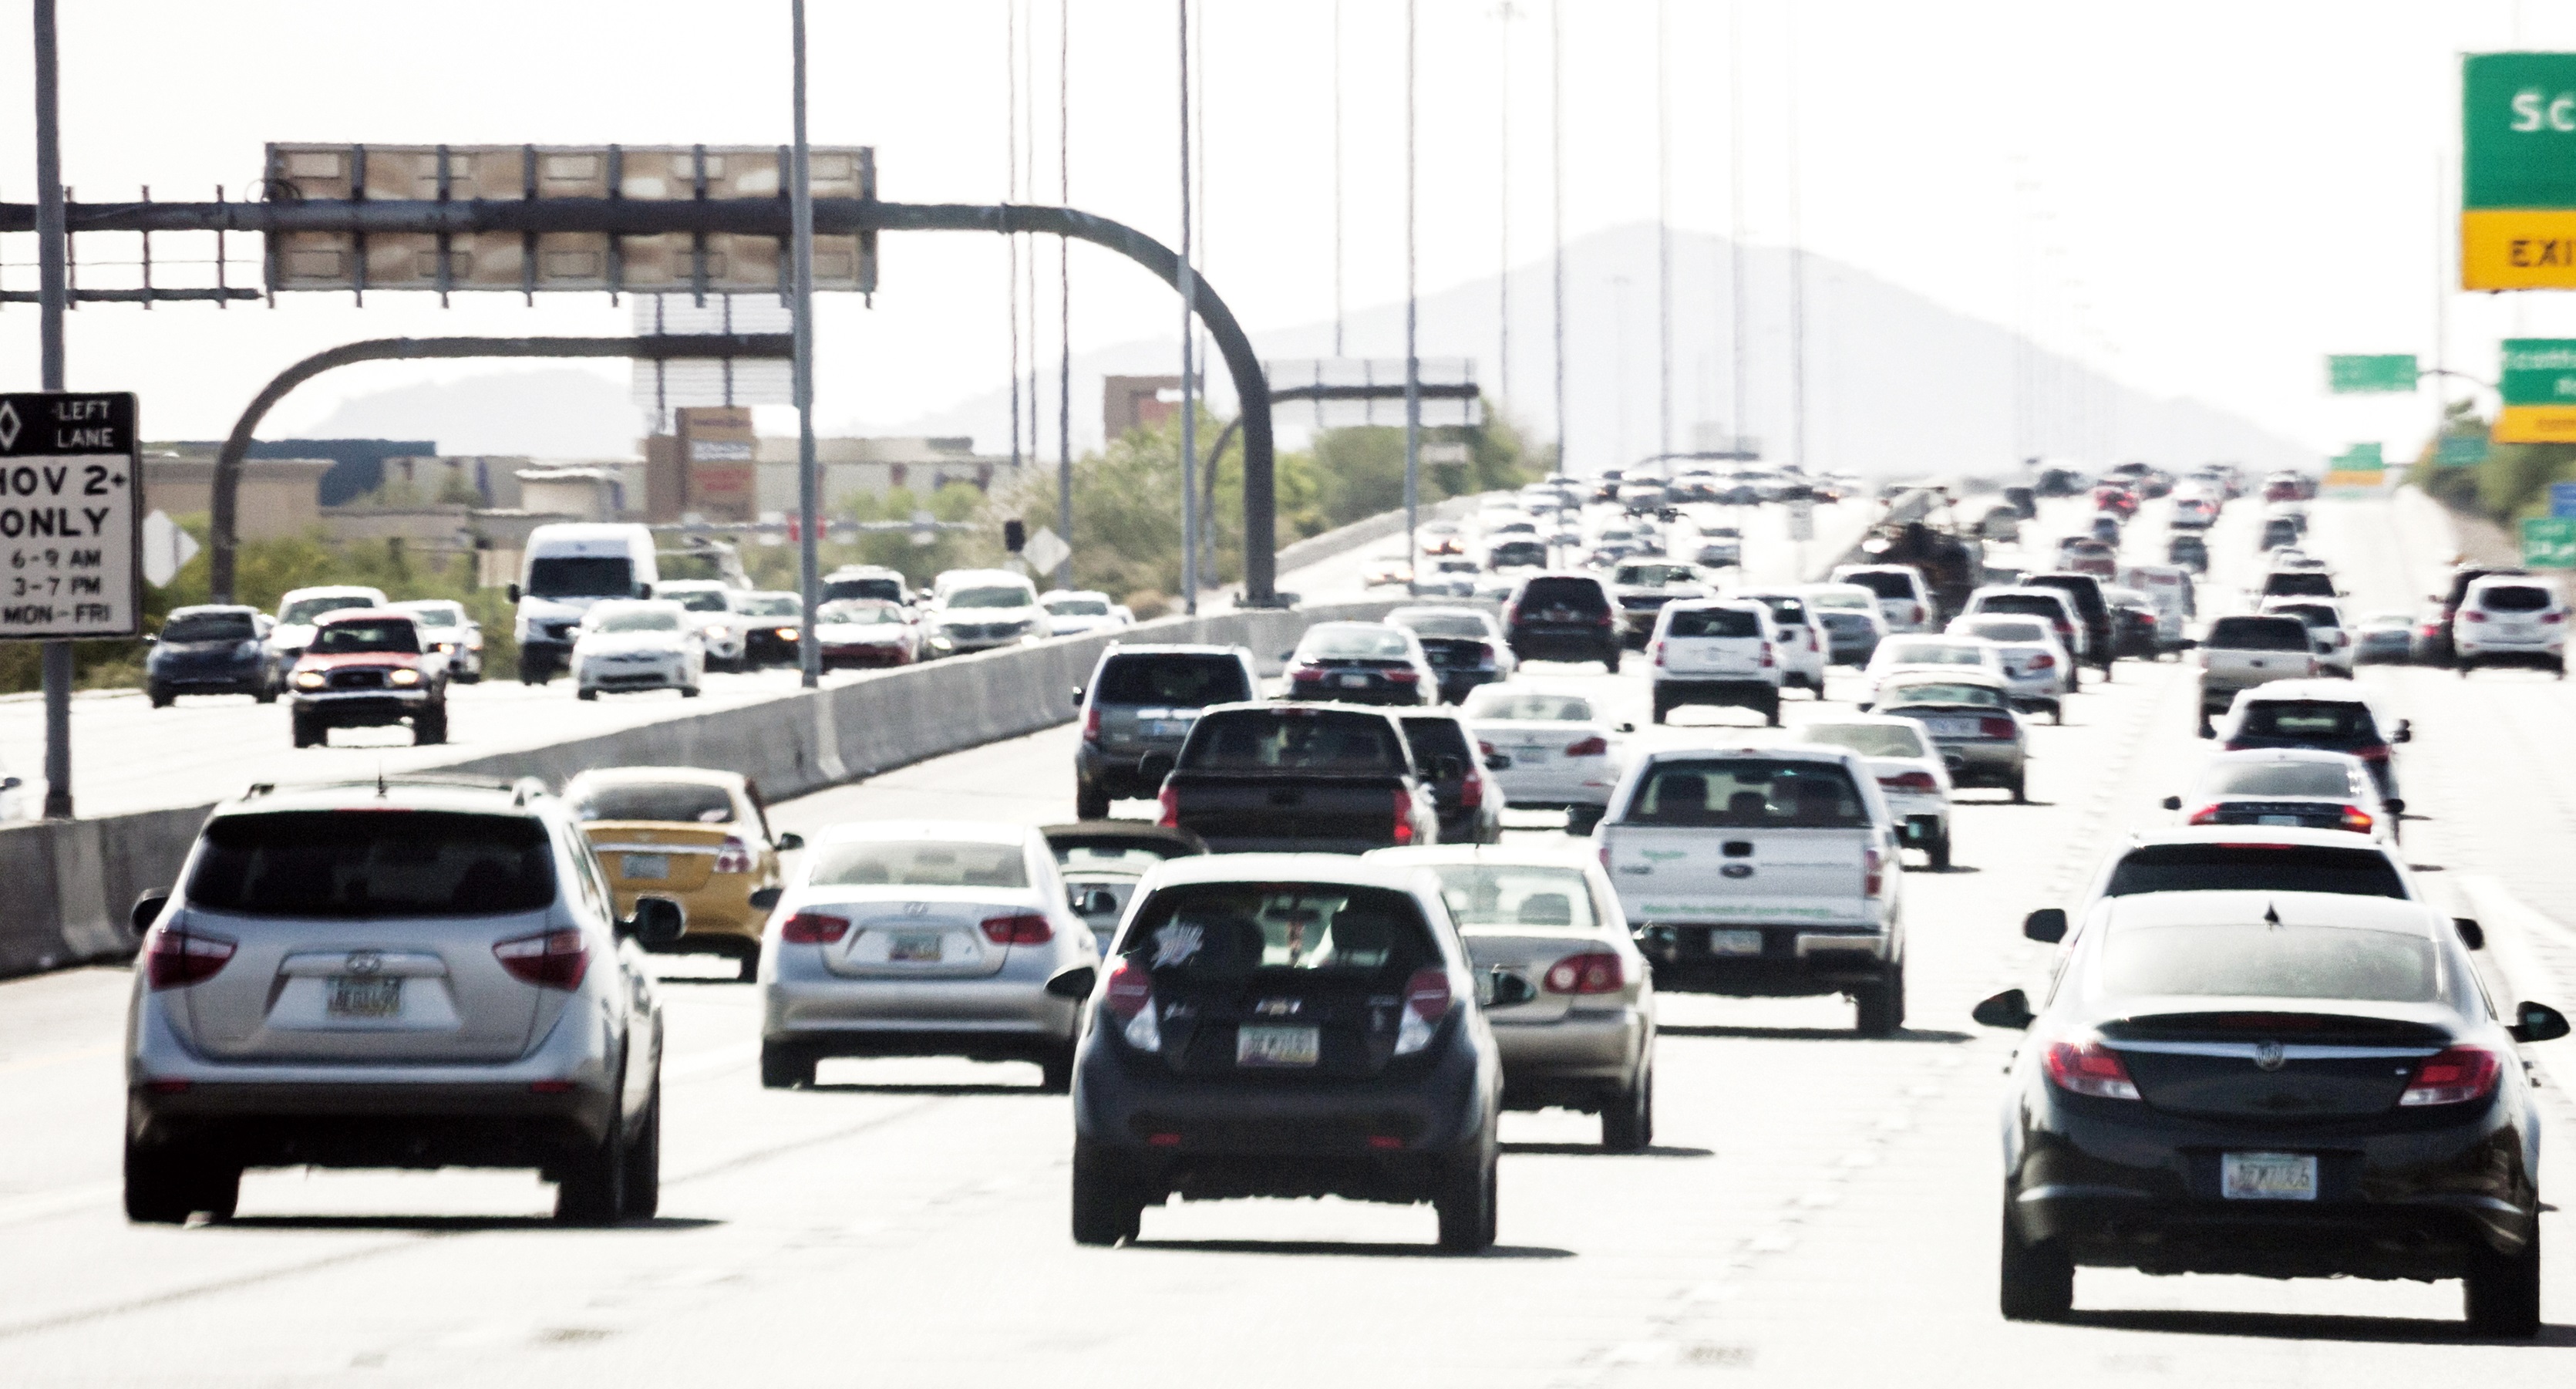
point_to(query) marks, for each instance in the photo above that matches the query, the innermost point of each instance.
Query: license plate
(644, 866)
(364, 996)
(2291, 820)
(1536, 754)
(1168, 728)
(1277, 1046)
(1353, 682)
(1953, 728)
(914, 947)
(2267, 1176)
(1735, 942)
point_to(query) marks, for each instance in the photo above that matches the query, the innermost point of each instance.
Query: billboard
(512, 261)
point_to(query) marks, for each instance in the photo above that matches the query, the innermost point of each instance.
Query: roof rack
(521, 789)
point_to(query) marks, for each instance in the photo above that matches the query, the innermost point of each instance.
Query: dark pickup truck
(1275, 778)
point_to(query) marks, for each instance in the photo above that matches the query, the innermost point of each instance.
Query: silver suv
(419, 972)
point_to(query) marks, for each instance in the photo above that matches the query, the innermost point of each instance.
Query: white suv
(2511, 619)
(1716, 651)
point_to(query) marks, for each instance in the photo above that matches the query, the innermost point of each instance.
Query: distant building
(1138, 402)
(877, 466)
(279, 497)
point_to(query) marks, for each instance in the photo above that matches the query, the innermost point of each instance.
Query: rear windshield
(2309, 582)
(2282, 779)
(2036, 605)
(1714, 622)
(1831, 598)
(1226, 932)
(887, 589)
(1078, 607)
(2258, 634)
(700, 600)
(1189, 682)
(2514, 598)
(920, 863)
(580, 576)
(2261, 960)
(2313, 614)
(1868, 739)
(390, 634)
(1500, 894)
(304, 610)
(1582, 594)
(2255, 868)
(675, 802)
(1435, 736)
(2004, 630)
(2081, 589)
(1788, 612)
(434, 615)
(1883, 584)
(1442, 624)
(1354, 643)
(1931, 653)
(996, 596)
(210, 627)
(640, 620)
(769, 604)
(2326, 720)
(1655, 575)
(1524, 706)
(1942, 692)
(859, 612)
(1748, 793)
(1302, 740)
(346, 864)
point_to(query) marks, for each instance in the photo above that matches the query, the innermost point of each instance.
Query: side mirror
(1625, 728)
(1077, 698)
(2472, 935)
(513, 591)
(2405, 732)
(10, 783)
(767, 897)
(2171, 802)
(1498, 763)
(151, 640)
(658, 922)
(790, 842)
(1074, 983)
(147, 908)
(2047, 925)
(1154, 767)
(1093, 901)
(1503, 989)
(2396, 805)
(2538, 1022)
(2009, 1009)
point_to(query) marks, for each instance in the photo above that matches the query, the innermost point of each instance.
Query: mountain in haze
(539, 412)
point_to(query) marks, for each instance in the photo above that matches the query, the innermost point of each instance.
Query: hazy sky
(2202, 196)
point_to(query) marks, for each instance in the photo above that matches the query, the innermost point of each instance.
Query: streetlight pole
(1556, 173)
(809, 483)
(1412, 359)
(54, 282)
(1189, 380)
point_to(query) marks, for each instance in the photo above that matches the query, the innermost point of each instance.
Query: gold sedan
(701, 837)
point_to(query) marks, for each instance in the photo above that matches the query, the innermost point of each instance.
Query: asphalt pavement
(1818, 1209)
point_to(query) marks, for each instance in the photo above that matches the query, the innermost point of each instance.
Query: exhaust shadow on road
(1596, 1150)
(457, 1224)
(1345, 1250)
(2282, 1326)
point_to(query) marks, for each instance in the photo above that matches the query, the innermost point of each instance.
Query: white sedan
(638, 644)
(1072, 612)
(2035, 664)
(1911, 653)
(1911, 774)
(1554, 750)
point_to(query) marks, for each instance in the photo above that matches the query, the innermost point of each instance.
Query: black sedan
(2276, 1084)
(1287, 1025)
(214, 648)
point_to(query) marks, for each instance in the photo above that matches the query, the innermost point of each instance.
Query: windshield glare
(919, 863)
(1522, 706)
(388, 634)
(307, 609)
(225, 627)
(674, 802)
(2263, 960)
(2282, 779)
(1078, 607)
(1867, 739)
(1933, 653)
(769, 605)
(698, 600)
(639, 620)
(860, 614)
(1486, 894)
(1355, 644)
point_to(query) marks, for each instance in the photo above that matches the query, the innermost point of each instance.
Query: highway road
(1818, 1209)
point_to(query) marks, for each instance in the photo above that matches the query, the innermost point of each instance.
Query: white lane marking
(52, 1203)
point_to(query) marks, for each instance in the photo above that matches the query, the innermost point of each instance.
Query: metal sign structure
(1353, 392)
(71, 516)
(2518, 171)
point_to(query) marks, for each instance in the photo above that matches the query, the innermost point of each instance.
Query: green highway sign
(2370, 375)
(2460, 450)
(2518, 171)
(2539, 371)
(2548, 542)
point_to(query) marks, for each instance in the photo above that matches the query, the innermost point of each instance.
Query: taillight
(2376, 752)
(1873, 872)
(176, 959)
(1910, 781)
(1131, 997)
(1091, 725)
(1596, 973)
(2357, 819)
(1171, 803)
(1403, 816)
(1811, 638)
(1024, 928)
(814, 928)
(1602, 621)
(2206, 815)
(1768, 660)
(1471, 792)
(1485, 749)
(2042, 661)
(1426, 1002)
(1595, 746)
(2089, 1068)
(2553, 617)
(734, 857)
(1918, 612)
(1658, 653)
(1306, 675)
(1484, 656)
(1402, 675)
(2456, 1076)
(2474, 615)
(1996, 728)
(1511, 615)
(550, 959)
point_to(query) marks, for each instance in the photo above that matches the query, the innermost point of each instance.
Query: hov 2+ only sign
(71, 516)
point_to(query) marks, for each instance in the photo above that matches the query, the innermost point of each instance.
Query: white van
(565, 570)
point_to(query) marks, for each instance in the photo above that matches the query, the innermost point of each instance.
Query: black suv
(2101, 632)
(1143, 700)
(214, 648)
(1562, 617)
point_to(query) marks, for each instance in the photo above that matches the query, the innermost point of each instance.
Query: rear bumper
(1592, 645)
(1796, 960)
(249, 680)
(1573, 1059)
(999, 1015)
(1745, 694)
(1982, 764)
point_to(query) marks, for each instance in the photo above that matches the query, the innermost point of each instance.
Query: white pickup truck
(1762, 872)
(2242, 652)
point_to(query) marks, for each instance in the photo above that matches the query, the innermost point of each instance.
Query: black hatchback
(1562, 617)
(2275, 1084)
(1286, 1025)
(213, 648)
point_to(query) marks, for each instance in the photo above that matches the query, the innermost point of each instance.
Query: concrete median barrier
(67, 887)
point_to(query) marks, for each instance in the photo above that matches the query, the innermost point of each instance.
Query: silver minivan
(416, 972)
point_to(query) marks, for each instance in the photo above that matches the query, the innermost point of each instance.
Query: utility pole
(1556, 173)
(1740, 406)
(1412, 359)
(1064, 290)
(1663, 231)
(1797, 273)
(1503, 140)
(54, 282)
(1337, 178)
(1189, 380)
(809, 482)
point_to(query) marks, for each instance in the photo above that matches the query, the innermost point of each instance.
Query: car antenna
(2271, 914)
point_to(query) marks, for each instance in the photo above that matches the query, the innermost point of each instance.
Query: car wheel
(1610, 660)
(2021, 786)
(590, 1187)
(160, 698)
(1878, 1008)
(643, 1178)
(1105, 1208)
(688, 692)
(1939, 852)
(1465, 1203)
(2207, 729)
(1583, 819)
(308, 732)
(265, 694)
(783, 1068)
(2056, 713)
(429, 730)
(1628, 1120)
(158, 1188)
(1661, 708)
(587, 693)
(2502, 1291)
(748, 970)
(2038, 1279)
(1089, 802)
(1055, 1072)
(534, 671)
(1771, 711)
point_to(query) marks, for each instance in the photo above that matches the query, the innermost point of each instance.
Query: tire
(643, 1178)
(2021, 786)
(1089, 802)
(586, 694)
(2207, 729)
(1583, 819)
(1661, 708)
(1105, 1207)
(1055, 1072)
(157, 1187)
(2501, 1293)
(2038, 1280)
(2057, 715)
(308, 732)
(749, 966)
(160, 698)
(265, 694)
(783, 1068)
(1610, 660)
(429, 730)
(1878, 1008)
(534, 670)
(1939, 852)
(590, 1187)
(688, 692)
(1465, 1202)
(1771, 711)
(1628, 1120)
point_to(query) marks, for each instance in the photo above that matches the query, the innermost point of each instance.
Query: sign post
(2538, 388)
(2392, 373)
(2518, 171)
(2548, 542)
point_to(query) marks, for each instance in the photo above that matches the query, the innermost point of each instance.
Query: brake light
(1811, 637)
(1873, 872)
(1595, 746)
(1024, 928)
(1918, 612)
(2206, 815)
(1910, 781)
(1767, 660)
(2042, 661)
(1485, 749)
(814, 928)
(2089, 1068)
(1402, 675)
(1658, 653)
(1484, 655)
(550, 959)
(1426, 1002)
(1307, 674)
(1597, 972)
(1091, 725)
(176, 959)
(1602, 621)
(734, 857)
(1171, 803)
(1130, 989)
(2474, 615)
(2456, 1076)
(1471, 792)
(2553, 617)
(1996, 728)
(1403, 816)
(2376, 752)
(2357, 819)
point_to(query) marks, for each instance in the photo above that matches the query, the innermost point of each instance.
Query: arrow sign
(166, 549)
